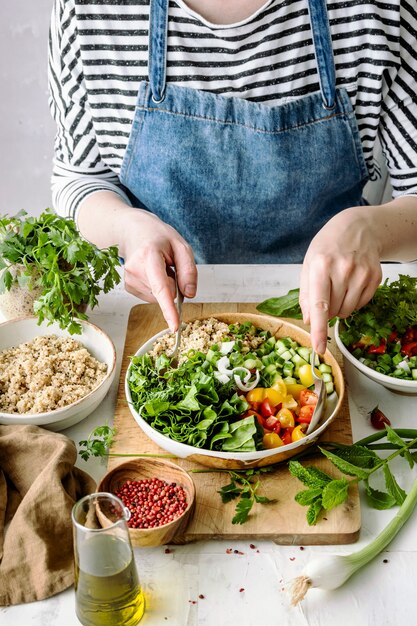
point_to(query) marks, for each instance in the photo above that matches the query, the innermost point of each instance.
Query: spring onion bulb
(226, 346)
(224, 374)
(246, 385)
(333, 571)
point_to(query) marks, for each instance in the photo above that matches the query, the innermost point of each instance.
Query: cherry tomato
(273, 423)
(266, 408)
(272, 440)
(286, 417)
(298, 432)
(378, 419)
(255, 395)
(306, 413)
(294, 389)
(308, 397)
(259, 417)
(286, 435)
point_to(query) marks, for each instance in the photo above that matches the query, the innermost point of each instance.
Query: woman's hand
(148, 246)
(341, 270)
(151, 247)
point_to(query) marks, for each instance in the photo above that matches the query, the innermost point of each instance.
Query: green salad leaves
(190, 406)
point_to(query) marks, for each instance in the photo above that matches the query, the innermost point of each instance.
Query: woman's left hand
(341, 271)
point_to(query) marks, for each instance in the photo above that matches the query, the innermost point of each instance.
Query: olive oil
(107, 588)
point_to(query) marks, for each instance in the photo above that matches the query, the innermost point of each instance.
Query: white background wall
(26, 127)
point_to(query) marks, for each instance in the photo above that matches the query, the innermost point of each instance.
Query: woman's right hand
(149, 247)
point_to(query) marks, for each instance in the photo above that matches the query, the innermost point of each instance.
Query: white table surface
(380, 594)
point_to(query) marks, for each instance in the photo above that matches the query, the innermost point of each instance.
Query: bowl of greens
(241, 395)
(380, 339)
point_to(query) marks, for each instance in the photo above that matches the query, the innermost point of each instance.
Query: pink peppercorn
(152, 502)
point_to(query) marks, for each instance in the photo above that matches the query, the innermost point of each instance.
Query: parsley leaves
(48, 252)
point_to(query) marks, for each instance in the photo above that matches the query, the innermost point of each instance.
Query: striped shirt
(99, 53)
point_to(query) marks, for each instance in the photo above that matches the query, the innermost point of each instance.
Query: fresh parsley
(243, 486)
(48, 252)
(97, 443)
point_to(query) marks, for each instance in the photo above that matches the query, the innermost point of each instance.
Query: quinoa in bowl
(47, 373)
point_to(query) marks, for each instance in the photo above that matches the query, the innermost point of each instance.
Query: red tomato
(286, 435)
(306, 413)
(260, 418)
(266, 408)
(378, 419)
(273, 423)
(308, 397)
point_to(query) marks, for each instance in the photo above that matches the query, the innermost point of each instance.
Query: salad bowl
(278, 329)
(398, 385)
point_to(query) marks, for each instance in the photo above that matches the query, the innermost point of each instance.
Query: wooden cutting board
(283, 521)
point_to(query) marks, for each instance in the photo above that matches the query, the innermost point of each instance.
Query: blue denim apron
(241, 181)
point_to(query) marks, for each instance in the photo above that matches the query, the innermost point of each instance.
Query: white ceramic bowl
(15, 332)
(230, 460)
(395, 384)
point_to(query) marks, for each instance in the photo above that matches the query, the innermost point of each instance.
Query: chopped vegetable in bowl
(246, 391)
(383, 334)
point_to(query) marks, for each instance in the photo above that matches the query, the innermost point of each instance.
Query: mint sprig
(324, 492)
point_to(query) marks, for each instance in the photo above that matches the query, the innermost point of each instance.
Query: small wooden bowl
(138, 469)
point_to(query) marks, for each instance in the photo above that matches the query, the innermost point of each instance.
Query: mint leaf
(393, 487)
(379, 499)
(335, 493)
(399, 442)
(310, 476)
(345, 466)
(308, 496)
(314, 512)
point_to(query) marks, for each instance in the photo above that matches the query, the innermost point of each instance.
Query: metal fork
(321, 392)
(179, 300)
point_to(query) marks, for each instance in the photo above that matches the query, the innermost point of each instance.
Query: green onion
(332, 571)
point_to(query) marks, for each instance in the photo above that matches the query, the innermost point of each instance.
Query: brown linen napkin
(38, 487)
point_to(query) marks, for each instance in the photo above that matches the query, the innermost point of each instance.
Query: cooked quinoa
(47, 373)
(199, 336)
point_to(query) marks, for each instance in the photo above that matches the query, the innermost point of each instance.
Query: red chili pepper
(378, 349)
(378, 419)
(409, 349)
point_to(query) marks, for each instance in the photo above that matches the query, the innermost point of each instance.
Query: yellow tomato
(298, 432)
(289, 402)
(256, 395)
(272, 440)
(285, 417)
(274, 396)
(260, 393)
(305, 375)
(294, 389)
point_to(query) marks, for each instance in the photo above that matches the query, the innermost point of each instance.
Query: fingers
(185, 268)
(315, 295)
(337, 288)
(147, 273)
(162, 287)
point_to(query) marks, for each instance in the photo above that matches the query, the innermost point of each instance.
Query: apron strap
(158, 26)
(324, 51)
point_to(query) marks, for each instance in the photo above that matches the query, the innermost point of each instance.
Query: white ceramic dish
(15, 332)
(214, 458)
(395, 384)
